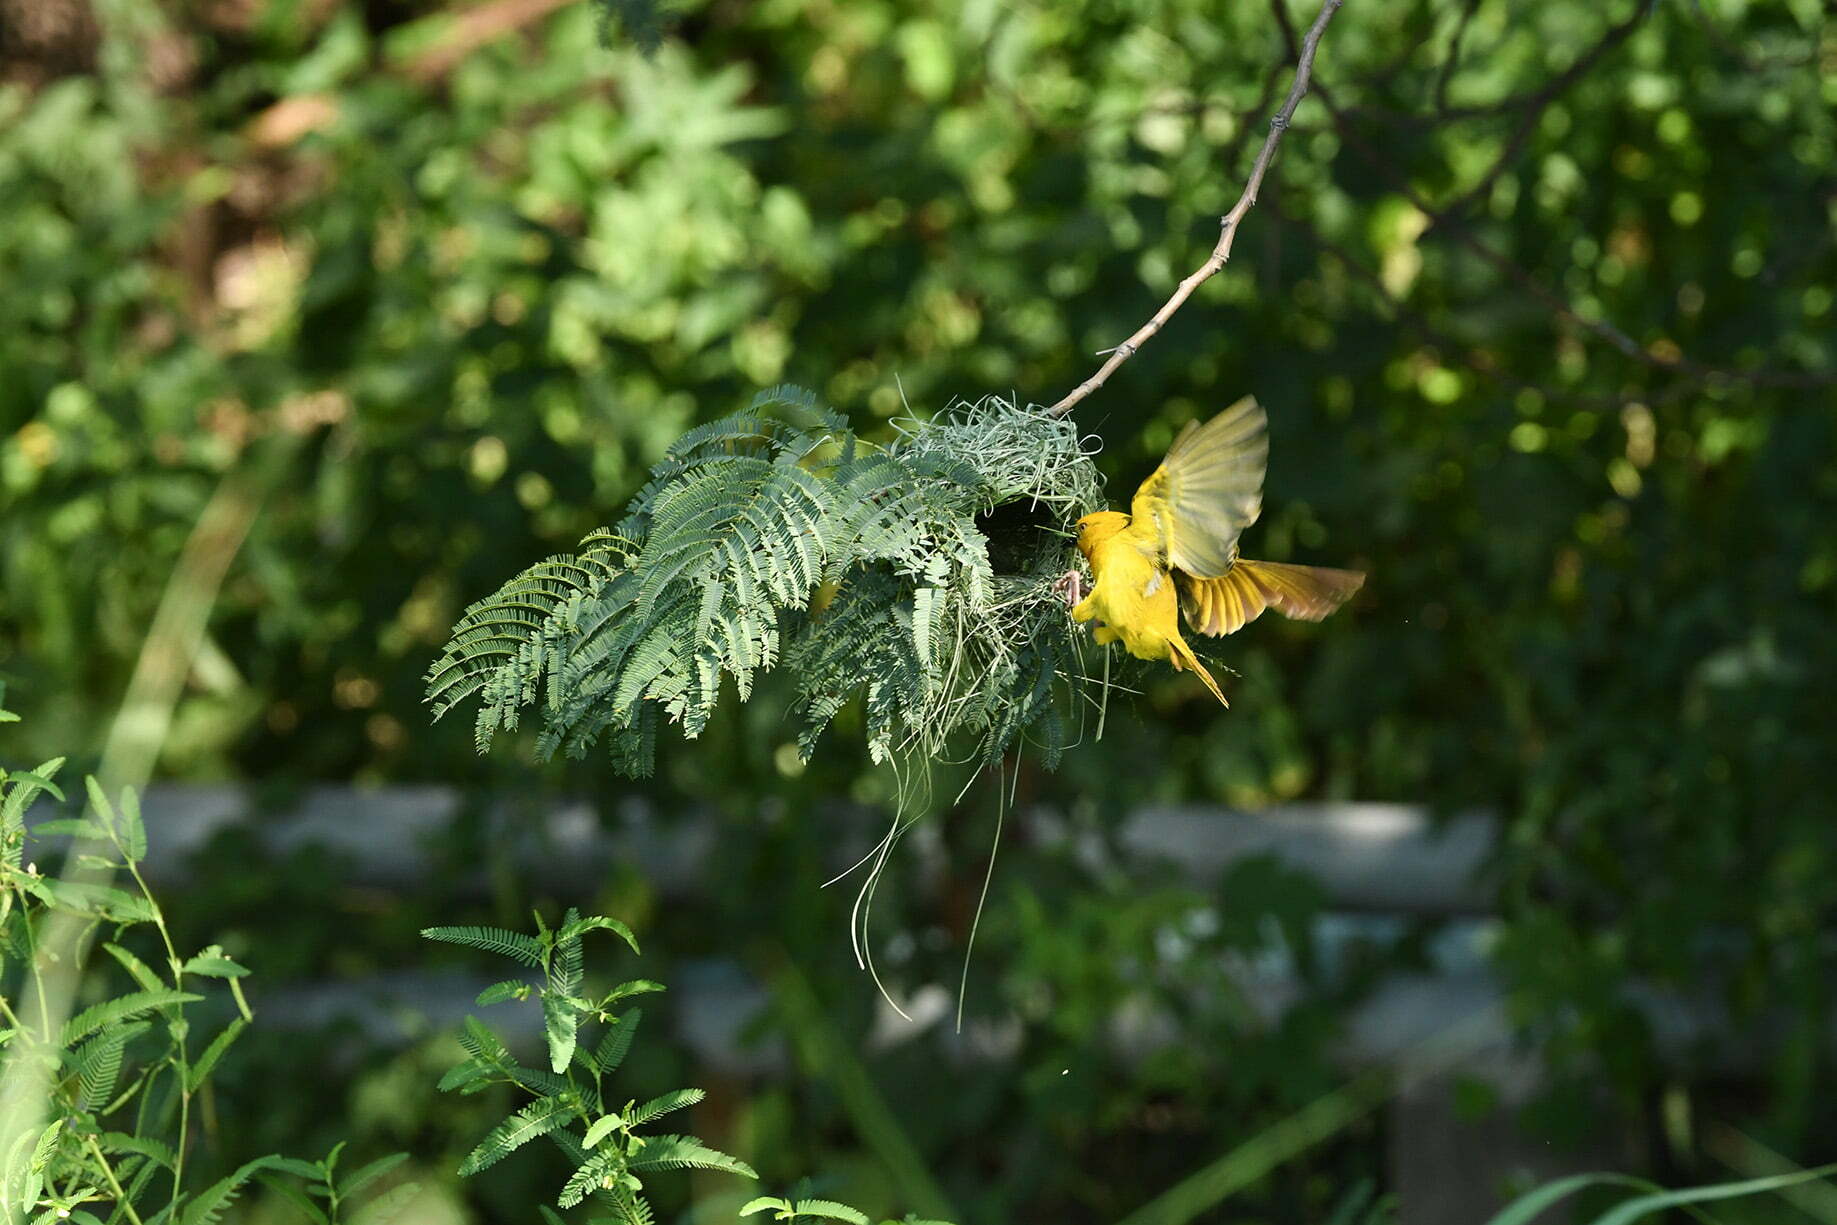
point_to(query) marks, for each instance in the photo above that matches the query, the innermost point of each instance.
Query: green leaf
(135, 966)
(505, 943)
(311, 1171)
(389, 1205)
(87, 897)
(492, 1056)
(483, 1045)
(829, 1210)
(536, 1119)
(293, 1195)
(98, 1063)
(1527, 1207)
(594, 1174)
(631, 1207)
(22, 788)
(15, 1166)
(566, 968)
(121, 1008)
(105, 812)
(156, 1151)
(540, 1081)
(141, 1179)
(70, 827)
(133, 829)
(47, 1144)
(39, 779)
(601, 1129)
(466, 1076)
(579, 927)
(509, 989)
(200, 1071)
(686, 1152)
(211, 963)
(365, 1175)
(659, 1106)
(762, 1203)
(42, 1154)
(561, 1025)
(208, 1205)
(1645, 1205)
(617, 1041)
(636, 986)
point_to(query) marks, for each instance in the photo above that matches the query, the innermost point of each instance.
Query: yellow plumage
(1177, 548)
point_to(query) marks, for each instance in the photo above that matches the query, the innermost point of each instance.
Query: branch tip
(1278, 123)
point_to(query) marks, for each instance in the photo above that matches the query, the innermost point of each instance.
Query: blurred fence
(1380, 866)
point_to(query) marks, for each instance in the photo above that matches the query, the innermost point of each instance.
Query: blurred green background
(1540, 299)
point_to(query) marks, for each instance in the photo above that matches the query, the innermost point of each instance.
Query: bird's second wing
(1227, 604)
(1207, 490)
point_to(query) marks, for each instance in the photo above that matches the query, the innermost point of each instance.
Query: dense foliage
(918, 577)
(100, 1106)
(1540, 301)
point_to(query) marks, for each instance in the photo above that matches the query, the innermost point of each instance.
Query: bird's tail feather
(1228, 603)
(1181, 656)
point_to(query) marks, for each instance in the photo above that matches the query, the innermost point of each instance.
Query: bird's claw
(1070, 588)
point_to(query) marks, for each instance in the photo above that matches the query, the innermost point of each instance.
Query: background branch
(1446, 221)
(1533, 111)
(1221, 252)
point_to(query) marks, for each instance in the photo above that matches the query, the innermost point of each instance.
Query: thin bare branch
(1228, 225)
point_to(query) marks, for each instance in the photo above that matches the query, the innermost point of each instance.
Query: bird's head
(1093, 530)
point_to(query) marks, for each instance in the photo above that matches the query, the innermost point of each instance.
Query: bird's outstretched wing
(1207, 490)
(1226, 604)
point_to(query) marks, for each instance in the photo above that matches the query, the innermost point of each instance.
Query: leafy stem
(61, 1151)
(122, 1199)
(610, 1156)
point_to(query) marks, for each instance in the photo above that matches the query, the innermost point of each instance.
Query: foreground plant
(573, 1105)
(99, 1117)
(817, 1210)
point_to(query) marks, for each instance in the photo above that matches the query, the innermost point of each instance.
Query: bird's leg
(1070, 588)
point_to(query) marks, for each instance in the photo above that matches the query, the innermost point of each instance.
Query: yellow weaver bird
(1181, 534)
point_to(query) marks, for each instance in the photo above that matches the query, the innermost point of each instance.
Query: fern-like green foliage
(916, 578)
(572, 1105)
(106, 1143)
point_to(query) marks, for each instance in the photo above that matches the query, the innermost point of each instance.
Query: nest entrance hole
(1026, 537)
